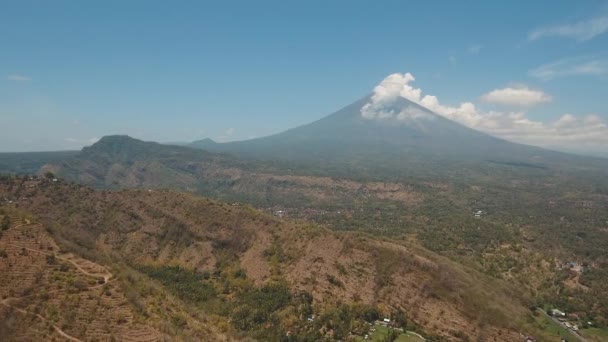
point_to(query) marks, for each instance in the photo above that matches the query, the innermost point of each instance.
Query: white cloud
(18, 78)
(452, 59)
(581, 31)
(227, 135)
(474, 49)
(393, 86)
(580, 66)
(568, 132)
(385, 94)
(81, 141)
(413, 113)
(518, 96)
(589, 133)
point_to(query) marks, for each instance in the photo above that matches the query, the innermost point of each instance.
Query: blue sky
(73, 71)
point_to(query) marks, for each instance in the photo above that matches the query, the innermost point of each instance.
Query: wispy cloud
(520, 96)
(81, 141)
(18, 78)
(571, 67)
(474, 49)
(569, 132)
(227, 135)
(581, 31)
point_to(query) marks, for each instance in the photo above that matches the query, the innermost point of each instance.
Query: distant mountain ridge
(30, 162)
(405, 141)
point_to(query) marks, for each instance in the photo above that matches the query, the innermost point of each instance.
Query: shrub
(334, 281)
(5, 223)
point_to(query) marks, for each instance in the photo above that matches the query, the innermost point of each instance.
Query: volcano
(403, 135)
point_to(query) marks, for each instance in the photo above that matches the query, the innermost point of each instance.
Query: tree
(391, 336)
(371, 314)
(50, 259)
(49, 175)
(399, 318)
(5, 223)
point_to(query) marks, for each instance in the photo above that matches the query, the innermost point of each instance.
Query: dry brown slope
(50, 295)
(168, 228)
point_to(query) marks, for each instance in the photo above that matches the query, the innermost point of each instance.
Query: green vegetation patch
(596, 334)
(552, 328)
(258, 306)
(383, 333)
(186, 284)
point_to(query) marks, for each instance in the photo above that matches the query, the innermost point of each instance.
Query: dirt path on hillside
(25, 312)
(6, 302)
(106, 276)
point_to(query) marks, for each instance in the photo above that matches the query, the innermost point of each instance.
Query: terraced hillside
(72, 295)
(48, 294)
(193, 263)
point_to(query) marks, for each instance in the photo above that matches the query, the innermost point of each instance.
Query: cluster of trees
(259, 306)
(271, 311)
(188, 285)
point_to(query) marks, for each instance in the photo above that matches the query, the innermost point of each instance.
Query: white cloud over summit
(385, 94)
(587, 133)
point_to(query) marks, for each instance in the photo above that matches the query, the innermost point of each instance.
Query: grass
(408, 337)
(382, 331)
(595, 334)
(552, 328)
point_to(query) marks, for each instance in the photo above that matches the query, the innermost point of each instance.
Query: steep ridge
(124, 161)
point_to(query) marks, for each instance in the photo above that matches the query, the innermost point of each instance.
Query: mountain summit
(401, 130)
